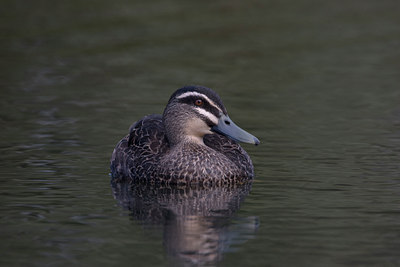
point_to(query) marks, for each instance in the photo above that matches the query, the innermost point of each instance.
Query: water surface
(317, 83)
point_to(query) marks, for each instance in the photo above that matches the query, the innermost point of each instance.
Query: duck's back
(137, 154)
(144, 155)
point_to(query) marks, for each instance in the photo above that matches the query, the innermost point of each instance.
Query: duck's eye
(198, 102)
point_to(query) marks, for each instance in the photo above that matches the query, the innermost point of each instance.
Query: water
(317, 83)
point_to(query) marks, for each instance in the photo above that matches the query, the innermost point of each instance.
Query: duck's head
(194, 111)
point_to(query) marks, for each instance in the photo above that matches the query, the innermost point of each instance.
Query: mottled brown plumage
(182, 154)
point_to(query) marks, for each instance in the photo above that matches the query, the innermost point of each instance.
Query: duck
(194, 141)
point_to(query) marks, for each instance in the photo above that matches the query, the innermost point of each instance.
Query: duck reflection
(198, 223)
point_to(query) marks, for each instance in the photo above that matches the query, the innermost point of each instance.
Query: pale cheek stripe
(208, 115)
(198, 94)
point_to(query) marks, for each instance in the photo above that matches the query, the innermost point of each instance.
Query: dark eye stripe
(190, 100)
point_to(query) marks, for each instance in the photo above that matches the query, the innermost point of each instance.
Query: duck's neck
(178, 134)
(178, 141)
(194, 140)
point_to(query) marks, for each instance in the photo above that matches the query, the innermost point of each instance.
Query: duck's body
(179, 147)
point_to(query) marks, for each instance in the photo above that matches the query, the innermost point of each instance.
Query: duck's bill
(227, 127)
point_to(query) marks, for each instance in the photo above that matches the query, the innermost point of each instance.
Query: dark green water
(317, 82)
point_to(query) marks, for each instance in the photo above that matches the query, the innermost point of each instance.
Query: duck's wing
(138, 153)
(232, 150)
